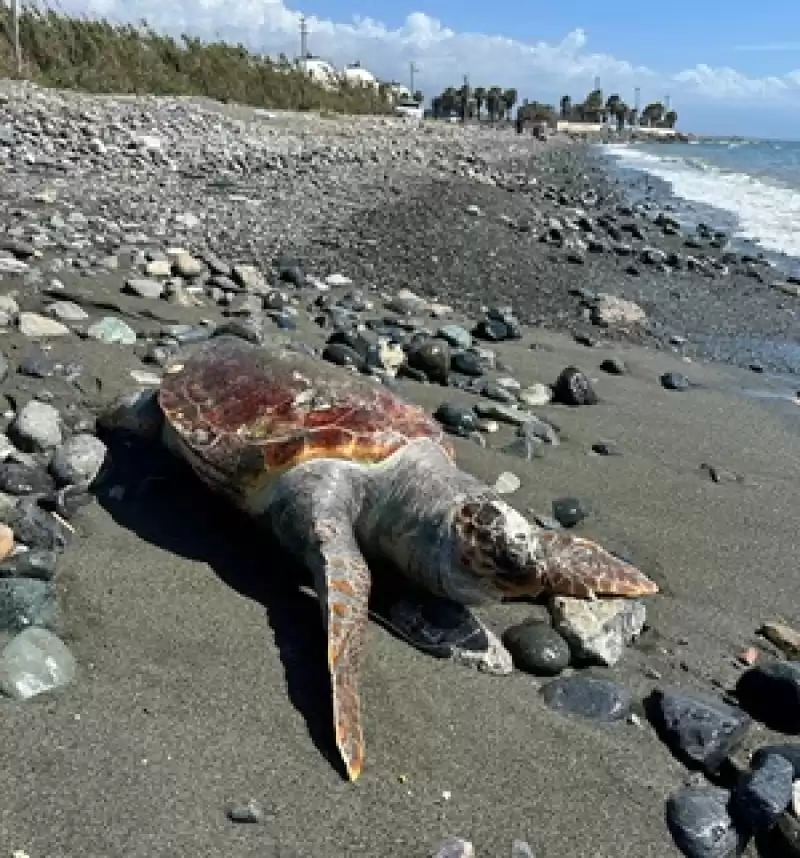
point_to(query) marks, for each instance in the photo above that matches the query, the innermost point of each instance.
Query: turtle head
(498, 553)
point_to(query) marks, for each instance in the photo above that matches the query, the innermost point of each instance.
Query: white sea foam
(766, 213)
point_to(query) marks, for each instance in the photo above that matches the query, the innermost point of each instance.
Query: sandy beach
(201, 680)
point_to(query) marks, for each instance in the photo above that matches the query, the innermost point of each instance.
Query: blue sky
(729, 66)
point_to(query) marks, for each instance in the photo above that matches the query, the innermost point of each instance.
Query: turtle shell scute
(245, 409)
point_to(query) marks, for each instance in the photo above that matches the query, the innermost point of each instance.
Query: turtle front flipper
(311, 512)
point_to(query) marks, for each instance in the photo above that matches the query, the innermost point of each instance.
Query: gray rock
(250, 812)
(145, 288)
(771, 693)
(598, 631)
(38, 426)
(34, 662)
(764, 793)
(593, 699)
(699, 730)
(454, 847)
(26, 602)
(537, 648)
(78, 460)
(701, 825)
(67, 311)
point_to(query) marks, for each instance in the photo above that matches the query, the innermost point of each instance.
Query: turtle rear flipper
(311, 512)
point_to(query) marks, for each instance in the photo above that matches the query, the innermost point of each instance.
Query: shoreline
(200, 679)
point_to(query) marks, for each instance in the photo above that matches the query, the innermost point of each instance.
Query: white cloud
(443, 55)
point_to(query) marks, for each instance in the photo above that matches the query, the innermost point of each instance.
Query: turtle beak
(565, 565)
(572, 566)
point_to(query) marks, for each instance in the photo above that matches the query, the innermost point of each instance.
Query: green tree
(671, 119)
(510, 97)
(493, 102)
(653, 113)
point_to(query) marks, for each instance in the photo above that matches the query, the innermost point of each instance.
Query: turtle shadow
(165, 504)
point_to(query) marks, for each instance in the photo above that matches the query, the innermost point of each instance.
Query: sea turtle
(344, 473)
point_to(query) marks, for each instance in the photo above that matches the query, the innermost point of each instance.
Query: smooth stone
(613, 366)
(492, 330)
(112, 330)
(147, 288)
(38, 426)
(467, 363)
(770, 692)
(701, 825)
(674, 381)
(251, 812)
(764, 793)
(536, 395)
(34, 326)
(521, 849)
(501, 411)
(35, 563)
(431, 357)
(569, 512)
(20, 479)
(456, 336)
(26, 602)
(699, 730)
(78, 459)
(593, 699)
(572, 387)
(67, 311)
(35, 527)
(455, 847)
(456, 417)
(342, 355)
(34, 662)
(786, 750)
(537, 648)
(506, 483)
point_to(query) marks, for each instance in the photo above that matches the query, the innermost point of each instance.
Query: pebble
(36, 326)
(455, 847)
(701, 825)
(675, 381)
(590, 698)
(507, 483)
(614, 366)
(34, 662)
(699, 730)
(572, 387)
(770, 692)
(112, 330)
(456, 336)
(251, 812)
(537, 648)
(78, 460)
(569, 512)
(763, 793)
(598, 631)
(37, 426)
(26, 602)
(536, 395)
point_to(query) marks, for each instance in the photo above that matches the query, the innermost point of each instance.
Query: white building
(320, 71)
(355, 74)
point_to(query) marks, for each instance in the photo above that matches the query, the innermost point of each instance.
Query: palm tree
(479, 94)
(493, 97)
(419, 96)
(653, 113)
(671, 119)
(510, 97)
(566, 107)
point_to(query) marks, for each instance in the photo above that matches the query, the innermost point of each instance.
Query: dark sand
(194, 694)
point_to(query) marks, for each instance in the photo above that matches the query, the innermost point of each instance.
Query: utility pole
(597, 83)
(666, 103)
(17, 49)
(637, 96)
(465, 100)
(303, 37)
(412, 70)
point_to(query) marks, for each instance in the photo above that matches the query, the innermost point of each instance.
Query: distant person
(520, 124)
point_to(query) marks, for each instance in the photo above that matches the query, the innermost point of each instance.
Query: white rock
(611, 310)
(337, 280)
(536, 395)
(33, 325)
(37, 426)
(507, 483)
(67, 311)
(598, 629)
(35, 661)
